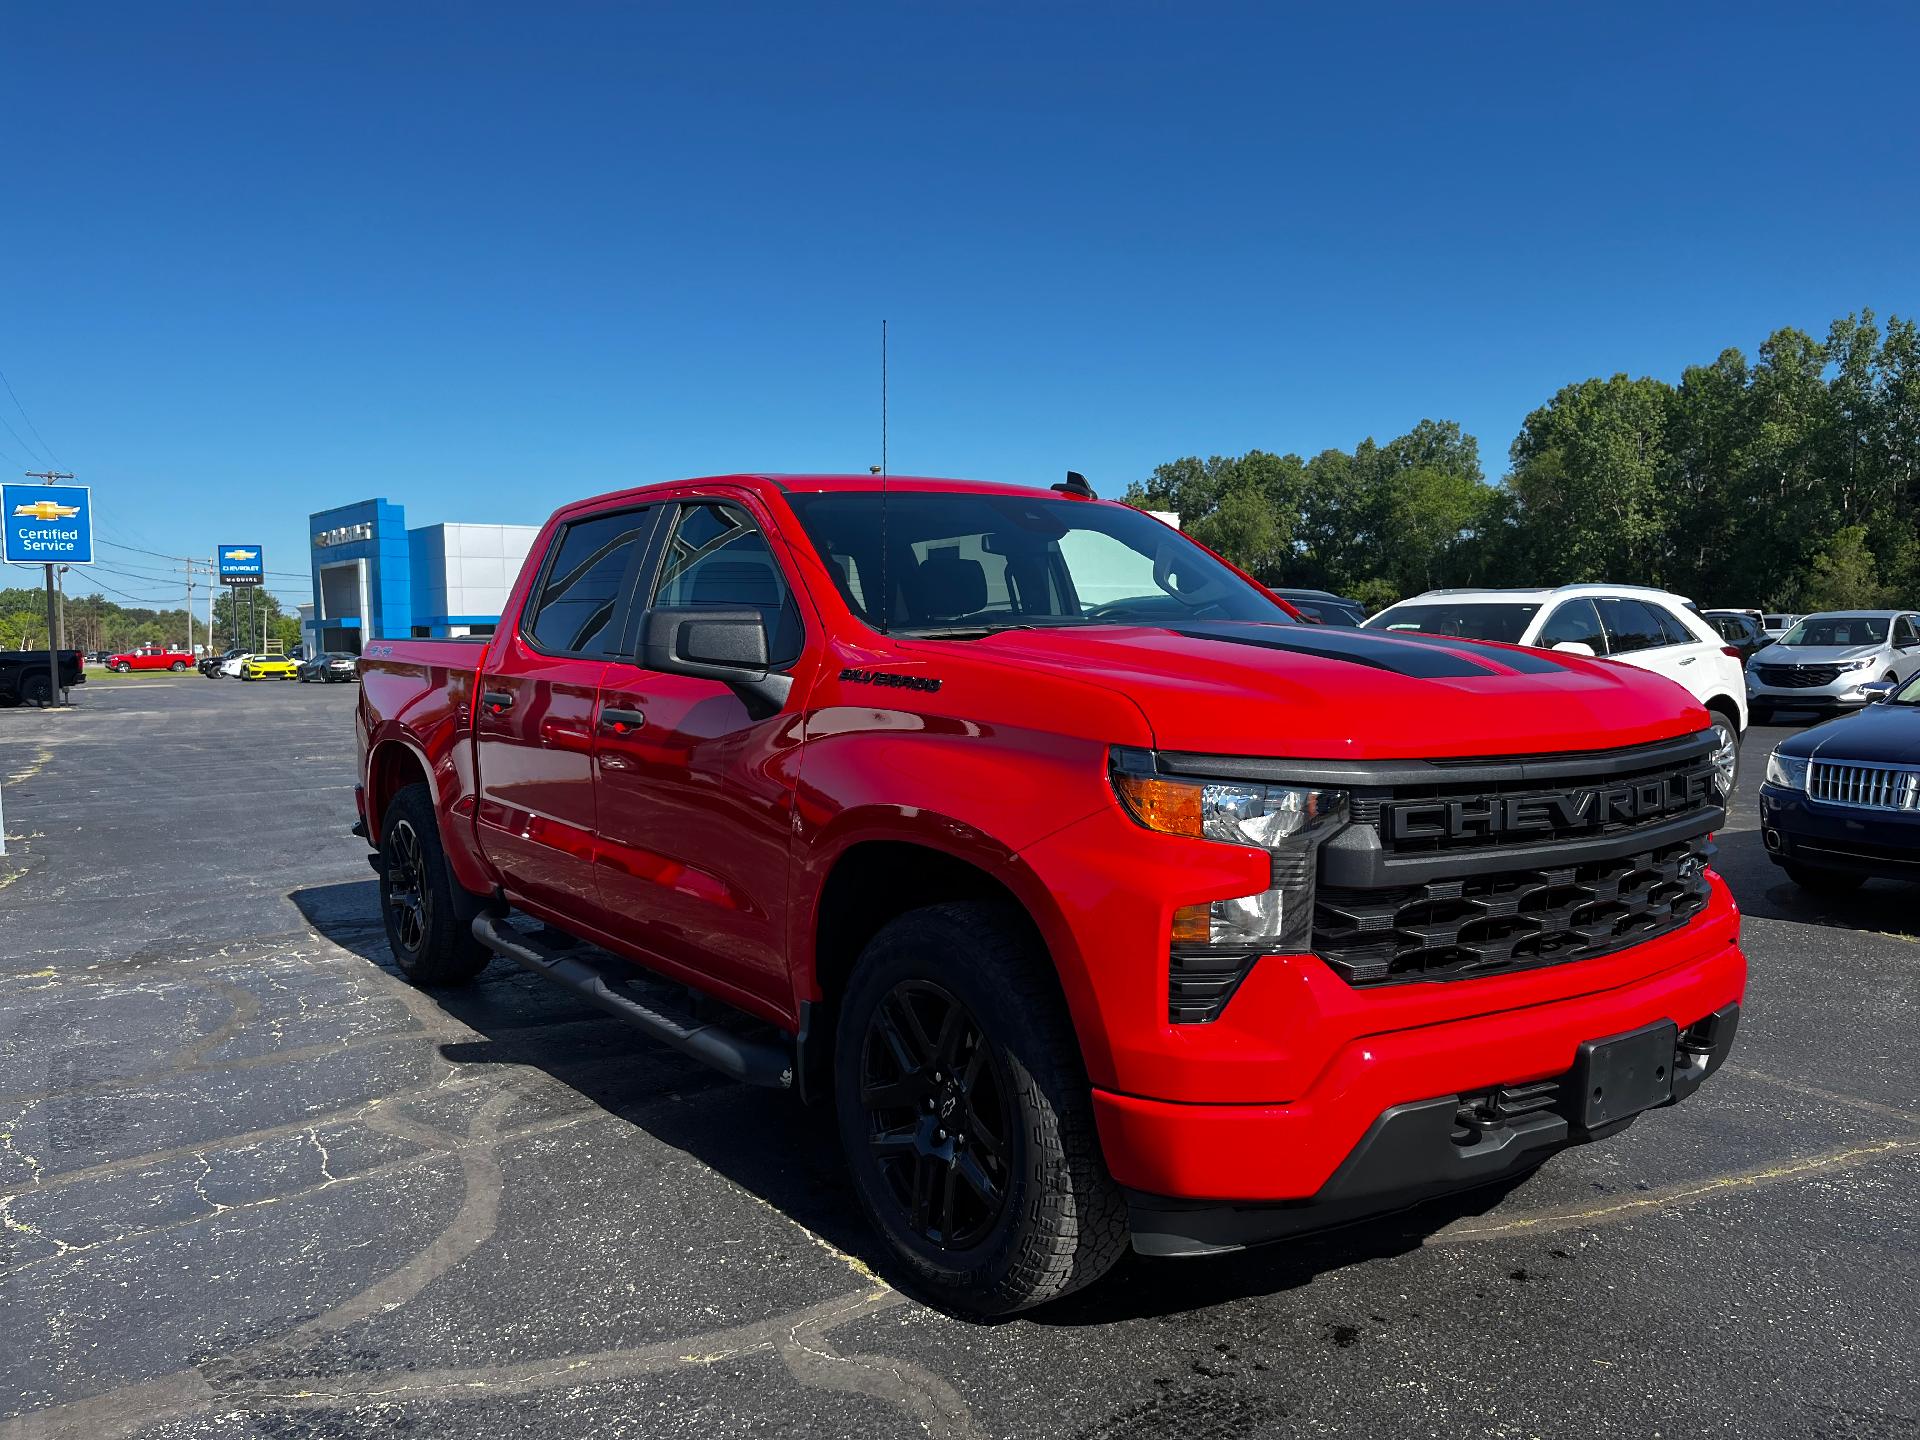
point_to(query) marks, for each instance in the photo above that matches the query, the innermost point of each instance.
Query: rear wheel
(966, 1116)
(36, 689)
(427, 915)
(177, 666)
(1825, 882)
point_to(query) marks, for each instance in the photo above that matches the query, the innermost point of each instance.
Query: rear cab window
(583, 581)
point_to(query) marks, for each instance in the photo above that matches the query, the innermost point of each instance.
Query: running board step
(646, 1006)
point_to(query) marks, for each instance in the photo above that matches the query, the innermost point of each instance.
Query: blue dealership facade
(374, 578)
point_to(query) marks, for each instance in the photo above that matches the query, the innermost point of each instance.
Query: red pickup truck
(1104, 902)
(151, 660)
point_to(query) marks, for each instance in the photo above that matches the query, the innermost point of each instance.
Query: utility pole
(52, 477)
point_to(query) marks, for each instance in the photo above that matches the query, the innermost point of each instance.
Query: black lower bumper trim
(1420, 1151)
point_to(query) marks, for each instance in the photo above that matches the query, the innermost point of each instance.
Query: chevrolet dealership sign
(242, 565)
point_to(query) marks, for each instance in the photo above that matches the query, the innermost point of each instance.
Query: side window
(718, 559)
(573, 612)
(1672, 628)
(1630, 625)
(1573, 623)
(1903, 632)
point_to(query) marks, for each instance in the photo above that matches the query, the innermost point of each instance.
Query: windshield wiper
(958, 632)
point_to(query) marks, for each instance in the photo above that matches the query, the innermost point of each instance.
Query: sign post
(48, 525)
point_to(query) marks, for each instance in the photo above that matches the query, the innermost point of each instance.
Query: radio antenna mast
(886, 593)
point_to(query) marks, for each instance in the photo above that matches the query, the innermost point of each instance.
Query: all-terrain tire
(1825, 882)
(428, 917)
(1062, 1222)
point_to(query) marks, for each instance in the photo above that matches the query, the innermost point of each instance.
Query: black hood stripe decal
(1438, 661)
(1527, 662)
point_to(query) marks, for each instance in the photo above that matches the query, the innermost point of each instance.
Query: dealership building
(373, 578)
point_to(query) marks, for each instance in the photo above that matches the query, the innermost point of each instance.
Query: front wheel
(966, 1116)
(120, 669)
(1725, 757)
(428, 917)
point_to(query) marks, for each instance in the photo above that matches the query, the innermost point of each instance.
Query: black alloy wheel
(409, 897)
(940, 1114)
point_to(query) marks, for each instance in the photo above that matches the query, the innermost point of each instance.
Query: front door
(534, 716)
(696, 780)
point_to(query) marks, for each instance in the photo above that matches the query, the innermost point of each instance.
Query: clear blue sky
(260, 259)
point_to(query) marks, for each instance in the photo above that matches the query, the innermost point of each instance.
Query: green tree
(1843, 574)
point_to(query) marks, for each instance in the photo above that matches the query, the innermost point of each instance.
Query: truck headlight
(1787, 771)
(1287, 821)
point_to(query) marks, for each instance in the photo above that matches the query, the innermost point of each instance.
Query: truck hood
(1336, 694)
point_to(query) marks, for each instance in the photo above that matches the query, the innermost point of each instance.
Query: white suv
(1650, 629)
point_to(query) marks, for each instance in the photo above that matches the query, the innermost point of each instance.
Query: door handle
(1689, 659)
(620, 721)
(497, 701)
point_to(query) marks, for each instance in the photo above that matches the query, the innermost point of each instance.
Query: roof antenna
(886, 594)
(1076, 485)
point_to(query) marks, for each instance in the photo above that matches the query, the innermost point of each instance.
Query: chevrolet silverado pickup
(1103, 901)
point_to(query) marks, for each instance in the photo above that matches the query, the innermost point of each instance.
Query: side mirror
(1879, 690)
(1575, 647)
(725, 645)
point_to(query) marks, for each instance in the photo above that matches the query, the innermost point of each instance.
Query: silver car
(1833, 661)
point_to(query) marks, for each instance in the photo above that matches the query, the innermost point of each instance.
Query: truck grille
(1509, 920)
(1870, 787)
(1797, 677)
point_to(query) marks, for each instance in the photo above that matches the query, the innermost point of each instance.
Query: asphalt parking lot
(252, 1184)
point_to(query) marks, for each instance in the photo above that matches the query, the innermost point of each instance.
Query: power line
(29, 419)
(16, 435)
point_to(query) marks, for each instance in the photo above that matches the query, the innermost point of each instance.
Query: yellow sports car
(269, 667)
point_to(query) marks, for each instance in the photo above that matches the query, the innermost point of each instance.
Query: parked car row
(327, 667)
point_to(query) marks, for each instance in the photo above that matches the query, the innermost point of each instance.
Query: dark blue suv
(1841, 801)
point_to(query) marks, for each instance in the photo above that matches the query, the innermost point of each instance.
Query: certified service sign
(47, 524)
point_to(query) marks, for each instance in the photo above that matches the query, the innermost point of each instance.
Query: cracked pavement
(252, 1184)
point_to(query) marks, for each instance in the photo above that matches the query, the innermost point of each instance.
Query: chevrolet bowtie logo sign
(46, 510)
(241, 565)
(46, 524)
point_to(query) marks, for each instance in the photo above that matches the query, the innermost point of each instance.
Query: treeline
(1791, 482)
(93, 622)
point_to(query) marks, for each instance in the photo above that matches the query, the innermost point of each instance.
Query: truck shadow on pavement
(787, 1155)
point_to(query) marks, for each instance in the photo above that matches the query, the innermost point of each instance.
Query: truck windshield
(1504, 622)
(1837, 630)
(960, 563)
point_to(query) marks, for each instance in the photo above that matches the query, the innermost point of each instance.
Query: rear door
(534, 719)
(695, 780)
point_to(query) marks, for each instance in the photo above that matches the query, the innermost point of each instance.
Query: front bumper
(1823, 835)
(1418, 1151)
(1252, 1152)
(1846, 693)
